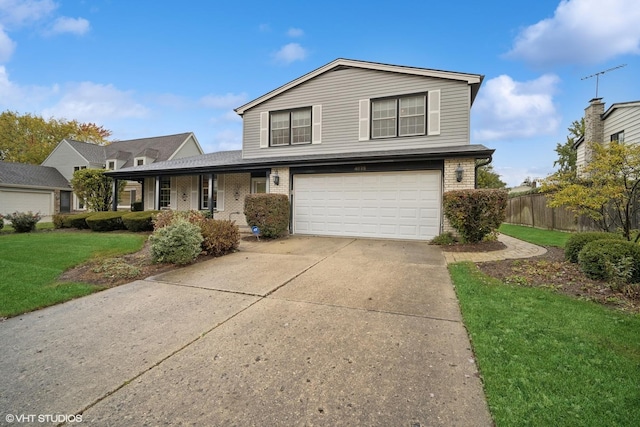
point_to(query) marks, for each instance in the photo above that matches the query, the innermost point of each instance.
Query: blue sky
(147, 68)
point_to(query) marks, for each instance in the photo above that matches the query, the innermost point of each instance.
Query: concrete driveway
(302, 331)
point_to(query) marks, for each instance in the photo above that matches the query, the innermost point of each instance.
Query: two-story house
(621, 122)
(70, 156)
(362, 149)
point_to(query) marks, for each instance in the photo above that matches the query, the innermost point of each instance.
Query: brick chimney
(593, 125)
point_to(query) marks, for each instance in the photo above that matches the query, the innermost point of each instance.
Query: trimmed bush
(577, 241)
(139, 221)
(269, 212)
(167, 217)
(79, 221)
(219, 236)
(137, 207)
(612, 260)
(1, 222)
(59, 220)
(23, 222)
(444, 239)
(105, 221)
(177, 243)
(475, 213)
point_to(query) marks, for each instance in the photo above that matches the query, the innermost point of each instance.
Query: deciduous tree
(488, 178)
(29, 138)
(95, 188)
(607, 191)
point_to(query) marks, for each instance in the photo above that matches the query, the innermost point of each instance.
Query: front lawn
(536, 236)
(547, 359)
(31, 263)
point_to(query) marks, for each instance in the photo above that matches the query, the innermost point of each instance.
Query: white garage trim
(398, 205)
(22, 200)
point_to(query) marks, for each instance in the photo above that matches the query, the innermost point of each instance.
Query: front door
(65, 201)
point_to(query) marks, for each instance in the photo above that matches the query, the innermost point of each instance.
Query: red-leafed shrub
(269, 212)
(475, 213)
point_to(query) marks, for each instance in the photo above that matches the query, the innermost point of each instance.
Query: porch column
(114, 203)
(142, 196)
(156, 195)
(210, 195)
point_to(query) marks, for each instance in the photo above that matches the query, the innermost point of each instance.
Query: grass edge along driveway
(32, 262)
(545, 358)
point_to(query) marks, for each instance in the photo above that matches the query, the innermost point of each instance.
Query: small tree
(475, 213)
(567, 155)
(608, 190)
(95, 188)
(488, 178)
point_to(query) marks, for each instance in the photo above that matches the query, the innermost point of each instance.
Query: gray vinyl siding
(65, 158)
(339, 93)
(625, 119)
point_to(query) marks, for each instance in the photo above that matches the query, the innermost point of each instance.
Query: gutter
(479, 165)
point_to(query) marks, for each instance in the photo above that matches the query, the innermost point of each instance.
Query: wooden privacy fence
(532, 210)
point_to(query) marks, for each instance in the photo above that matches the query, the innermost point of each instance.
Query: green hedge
(139, 221)
(177, 243)
(105, 221)
(269, 212)
(613, 260)
(78, 221)
(475, 213)
(577, 241)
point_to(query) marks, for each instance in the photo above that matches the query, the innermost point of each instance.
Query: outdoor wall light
(236, 194)
(276, 179)
(459, 173)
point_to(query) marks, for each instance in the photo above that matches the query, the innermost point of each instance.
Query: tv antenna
(598, 74)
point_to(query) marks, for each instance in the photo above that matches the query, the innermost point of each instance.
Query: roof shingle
(32, 175)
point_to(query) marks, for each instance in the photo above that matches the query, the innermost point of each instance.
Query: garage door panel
(25, 201)
(402, 205)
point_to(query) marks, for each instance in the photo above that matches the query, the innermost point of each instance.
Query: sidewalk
(515, 249)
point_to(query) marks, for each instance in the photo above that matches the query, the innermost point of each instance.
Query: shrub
(139, 221)
(177, 243)
(137, 207)
(444, 239)
(59, 220)
(23, 222)
(577, 241)
(269, 212)
(79, 221)
(475, 213)
(1, 222)
(105, 221)
(613, 260)
(167, 217)
(219, 236)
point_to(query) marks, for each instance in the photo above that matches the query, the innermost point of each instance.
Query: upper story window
(111, 165)
(290, 127)
(618, 136)
(77, 168)
(401, 116)
(139, 161)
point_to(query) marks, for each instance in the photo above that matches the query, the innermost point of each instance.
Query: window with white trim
(139, 161)
(217, 195)
(165, 192)
(111, 165)
(290, 127)
(398, 116)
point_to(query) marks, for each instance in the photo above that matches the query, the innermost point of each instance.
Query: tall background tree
(29, 139)
(567, 155)
(488, 178)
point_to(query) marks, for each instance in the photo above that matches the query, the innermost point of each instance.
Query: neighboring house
(70, 156)
(33, 188)
(621, 122)
(361, 149)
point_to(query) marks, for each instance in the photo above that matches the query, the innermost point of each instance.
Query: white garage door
(399, 205)
(24, 201)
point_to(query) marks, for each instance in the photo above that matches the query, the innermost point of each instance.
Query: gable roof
(164, 148)
(473, 80)
(617, 105)
(93, 153)
(21, 174)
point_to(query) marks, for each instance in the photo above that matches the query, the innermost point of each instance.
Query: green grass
(547, 359)
(31, 263)
(536, 235)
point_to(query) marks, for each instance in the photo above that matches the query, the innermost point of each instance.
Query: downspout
(479, 165)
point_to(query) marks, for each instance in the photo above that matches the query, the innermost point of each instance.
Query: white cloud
(228, 117)
(295, 32)
(581, 32)
(78, 26)
(92, 102)
(16, 97)
(226, 101)
(290, 53)
(223, 140)
(7, 46)
(20, 12)
(507, 109)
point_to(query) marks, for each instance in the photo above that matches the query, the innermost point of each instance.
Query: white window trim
(135, 161)
(111, 161)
